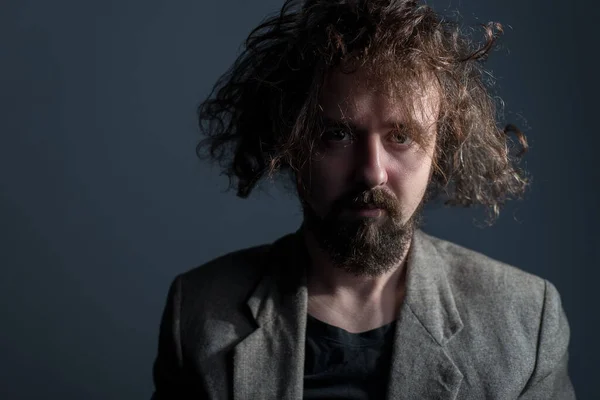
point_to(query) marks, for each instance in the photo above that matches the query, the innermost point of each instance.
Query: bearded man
(371, 108)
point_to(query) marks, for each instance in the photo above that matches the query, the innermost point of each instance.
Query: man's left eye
(401, 138)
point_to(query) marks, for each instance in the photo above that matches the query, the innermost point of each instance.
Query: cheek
(324, 182)
(410, 178)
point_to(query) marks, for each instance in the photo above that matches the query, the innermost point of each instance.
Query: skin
(371, 154)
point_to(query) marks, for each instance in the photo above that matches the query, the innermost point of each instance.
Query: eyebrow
(345, 123)
(328, 121)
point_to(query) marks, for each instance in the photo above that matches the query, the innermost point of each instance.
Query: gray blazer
(470, 328)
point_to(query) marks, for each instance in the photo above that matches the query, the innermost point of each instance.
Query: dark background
(103, 200)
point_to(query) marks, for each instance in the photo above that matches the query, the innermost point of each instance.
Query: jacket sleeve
(170, 381)
(550, 378)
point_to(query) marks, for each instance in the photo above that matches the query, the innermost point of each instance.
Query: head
(371, 107)
(367, 177)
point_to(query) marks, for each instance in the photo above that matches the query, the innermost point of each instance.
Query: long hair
(263, 115)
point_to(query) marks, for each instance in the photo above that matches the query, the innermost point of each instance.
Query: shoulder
(500, 302)
(475, 274)
(515, 315)
(230, 269)
(228, 280)
(495, 300)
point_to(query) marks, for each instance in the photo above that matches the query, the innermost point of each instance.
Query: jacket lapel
(269, 363)
(421, 367)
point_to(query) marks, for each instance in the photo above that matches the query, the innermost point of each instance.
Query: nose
(370, 165)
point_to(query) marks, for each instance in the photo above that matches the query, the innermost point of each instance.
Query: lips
(364, 207)
(366, 210)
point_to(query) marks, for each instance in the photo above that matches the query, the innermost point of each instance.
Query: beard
(363, 246)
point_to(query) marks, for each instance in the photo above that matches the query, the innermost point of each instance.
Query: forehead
(363, 99)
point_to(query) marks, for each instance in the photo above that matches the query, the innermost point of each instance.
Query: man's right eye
(336, 135)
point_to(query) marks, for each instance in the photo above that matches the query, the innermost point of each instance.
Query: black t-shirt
(343, 365)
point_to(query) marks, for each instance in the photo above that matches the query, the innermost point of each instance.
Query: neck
(351, 302)
(324, 278)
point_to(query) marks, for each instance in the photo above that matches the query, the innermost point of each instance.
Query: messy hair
(263, 114)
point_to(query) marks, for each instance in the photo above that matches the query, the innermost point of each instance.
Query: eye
(336, 135)
(401, 138)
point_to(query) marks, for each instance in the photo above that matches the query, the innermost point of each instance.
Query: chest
(341, 364)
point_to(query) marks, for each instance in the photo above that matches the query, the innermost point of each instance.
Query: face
(363, 189)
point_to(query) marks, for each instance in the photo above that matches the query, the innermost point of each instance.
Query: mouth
(365, 210)
(369, 212)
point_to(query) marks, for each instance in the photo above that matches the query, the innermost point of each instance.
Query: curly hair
(263, 115)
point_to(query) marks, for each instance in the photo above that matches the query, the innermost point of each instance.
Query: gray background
(103, 201)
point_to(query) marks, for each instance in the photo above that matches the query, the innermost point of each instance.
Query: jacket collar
(421, 366)
(269, 363)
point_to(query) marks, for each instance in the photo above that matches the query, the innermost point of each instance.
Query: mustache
(378, 198)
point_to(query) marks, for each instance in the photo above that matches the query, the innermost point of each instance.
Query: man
(372, 107)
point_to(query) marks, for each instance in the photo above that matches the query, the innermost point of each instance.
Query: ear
(299, 184)
(301, 189)
(297, 177)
